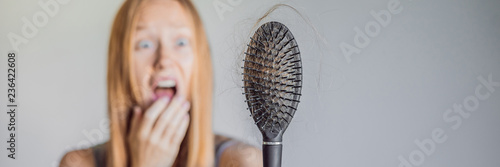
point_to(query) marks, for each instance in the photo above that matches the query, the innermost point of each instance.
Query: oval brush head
(272, 76)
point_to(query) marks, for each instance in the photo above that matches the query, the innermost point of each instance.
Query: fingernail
(180, 97)
(164, 99)
(137, 110)
(186, 104)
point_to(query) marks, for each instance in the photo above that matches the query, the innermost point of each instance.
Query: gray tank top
(100, 152)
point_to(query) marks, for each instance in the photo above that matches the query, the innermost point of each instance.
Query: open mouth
(165, 88)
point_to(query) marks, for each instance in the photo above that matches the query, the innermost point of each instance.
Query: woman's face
(163, 50)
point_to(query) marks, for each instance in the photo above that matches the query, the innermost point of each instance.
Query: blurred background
(386, 82)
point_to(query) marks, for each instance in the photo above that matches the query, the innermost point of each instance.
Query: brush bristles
(272, 76)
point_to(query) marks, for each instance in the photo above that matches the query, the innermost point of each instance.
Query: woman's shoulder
(231, 152)
(88, 157)
(82, 157)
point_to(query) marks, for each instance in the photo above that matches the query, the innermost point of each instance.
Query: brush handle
(272, 155)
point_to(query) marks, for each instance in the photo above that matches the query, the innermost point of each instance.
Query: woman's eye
(182, 42)
(145, 44)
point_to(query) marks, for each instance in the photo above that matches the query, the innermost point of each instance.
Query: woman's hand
(155, 135)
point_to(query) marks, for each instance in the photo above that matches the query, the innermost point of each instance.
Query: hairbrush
(272, 82)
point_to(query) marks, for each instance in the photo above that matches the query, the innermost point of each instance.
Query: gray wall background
(368, 111)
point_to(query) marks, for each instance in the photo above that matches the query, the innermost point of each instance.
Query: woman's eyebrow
(175, 25)
(140, 27)
(174, 28)
(184, 29)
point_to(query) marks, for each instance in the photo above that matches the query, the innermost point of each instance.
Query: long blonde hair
(197, 148)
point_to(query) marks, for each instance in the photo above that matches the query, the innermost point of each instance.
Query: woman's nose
(165, 58)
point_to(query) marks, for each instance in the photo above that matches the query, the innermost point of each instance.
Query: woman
(160, 94)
